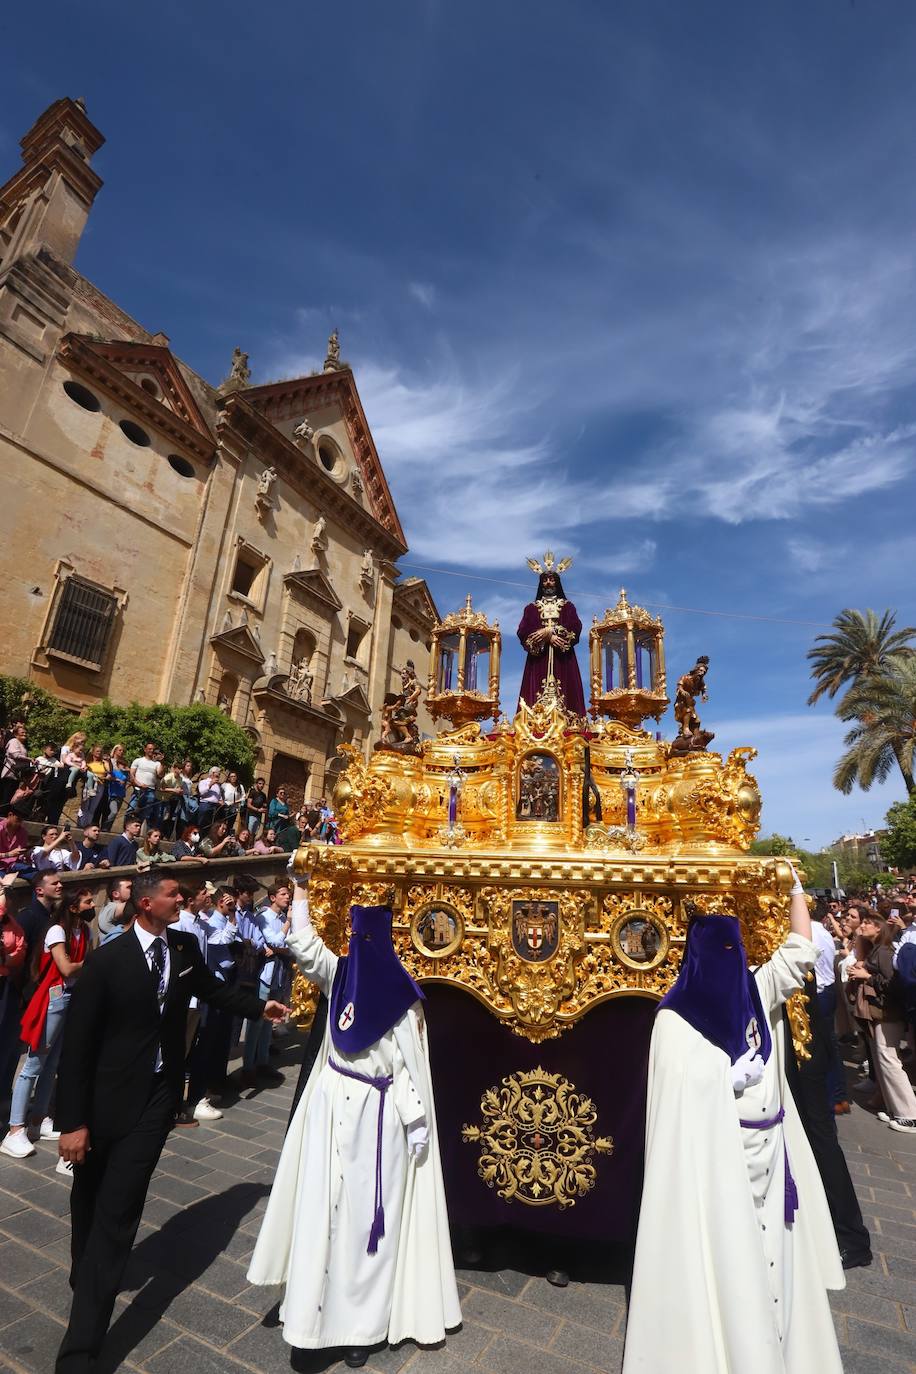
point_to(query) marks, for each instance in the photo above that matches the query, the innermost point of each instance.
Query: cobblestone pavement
(187, 1306)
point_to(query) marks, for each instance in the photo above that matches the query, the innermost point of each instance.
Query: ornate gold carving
(534, 990)
(437, 929)
(538, 1144)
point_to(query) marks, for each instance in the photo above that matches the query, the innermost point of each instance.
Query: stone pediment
(274, 688)
(312, 582)
(355, 698)
(282, 401)
(413, 597)
(149, 382)
(242, 640)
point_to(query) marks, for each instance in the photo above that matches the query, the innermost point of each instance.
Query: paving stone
(176, 1166)
(902, 1230)
(466, 1343)
(904, 1211)
(867, 1307)
(10, 1204)
(895, 1245)
(895, 1345)
(158, 1210)
(209, 1317)
(440, 1360)
(898, 1287)
(265, 1349)
(35, 1228)
(587, 1346)
(241, 1130)
(506, 1356)
(593, 1304)
(52, 1293)
(234, 1166)
(135, 1335)
(224, 1278)
(887, 1170)
(53, 1199)
(18, 1264)
(502, 1314)
(187, 1354)
(260, 1298)
(12, 1307)
(32, 1342)
(176, 1189)
(894, 1195)
(506, 1282)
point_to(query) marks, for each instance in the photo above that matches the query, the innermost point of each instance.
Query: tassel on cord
(377, 1232)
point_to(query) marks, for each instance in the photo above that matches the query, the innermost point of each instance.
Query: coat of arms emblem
(535, 929)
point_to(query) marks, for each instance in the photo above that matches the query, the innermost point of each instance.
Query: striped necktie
(157, 967)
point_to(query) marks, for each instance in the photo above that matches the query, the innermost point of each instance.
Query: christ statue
(549, 631)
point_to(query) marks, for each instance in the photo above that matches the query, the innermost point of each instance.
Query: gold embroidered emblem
(537, 1140)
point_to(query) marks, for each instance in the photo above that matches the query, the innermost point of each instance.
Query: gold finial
(467, 603)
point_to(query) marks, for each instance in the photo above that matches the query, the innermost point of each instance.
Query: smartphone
(895, 911)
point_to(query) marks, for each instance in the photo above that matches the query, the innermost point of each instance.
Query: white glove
(797, 885)
(417, 1138)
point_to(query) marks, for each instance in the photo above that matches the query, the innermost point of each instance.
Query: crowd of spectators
(866, 993)
(43, 951)
(164, 813)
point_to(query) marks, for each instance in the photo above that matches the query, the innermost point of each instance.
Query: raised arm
(786, 972)
(316, 961)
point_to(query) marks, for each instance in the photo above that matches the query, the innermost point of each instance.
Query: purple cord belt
(791, 1191)
(381, 1086)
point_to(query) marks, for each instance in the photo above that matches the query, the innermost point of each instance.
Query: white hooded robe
(316, 1227)
(720, 1284)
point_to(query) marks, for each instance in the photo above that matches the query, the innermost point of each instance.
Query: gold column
(494, 674)
(462, 650)
(631, 657)
(661, 685)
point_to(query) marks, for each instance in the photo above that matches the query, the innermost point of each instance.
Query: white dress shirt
(826, 953)
(146, 944)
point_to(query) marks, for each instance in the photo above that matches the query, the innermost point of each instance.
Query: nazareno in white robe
(720, 1284)
(316, 1227)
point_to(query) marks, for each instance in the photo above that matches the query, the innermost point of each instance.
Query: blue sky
(634, 281)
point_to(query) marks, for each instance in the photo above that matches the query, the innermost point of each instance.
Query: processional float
(541, 875)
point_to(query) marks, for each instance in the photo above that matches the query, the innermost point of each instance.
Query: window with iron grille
(83, 623)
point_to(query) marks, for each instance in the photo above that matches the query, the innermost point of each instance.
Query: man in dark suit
(35, 918)
(120, 1084)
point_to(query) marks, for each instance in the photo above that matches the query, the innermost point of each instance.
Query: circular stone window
(149, 385)
(135, 434)
(327, 456)
(82, 396)
(181, 465)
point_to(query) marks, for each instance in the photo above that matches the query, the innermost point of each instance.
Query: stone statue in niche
(303, 434)
(367, 569)
(356, 483)
(299, 685)
(319, 535)
(223, 704)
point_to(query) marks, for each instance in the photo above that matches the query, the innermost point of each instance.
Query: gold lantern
(627, 655)
(464, 667)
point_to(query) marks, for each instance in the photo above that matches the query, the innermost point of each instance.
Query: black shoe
(185, 1118)
(855, 1259)
(357, 1357)
(558, 1277)
(268, 1075)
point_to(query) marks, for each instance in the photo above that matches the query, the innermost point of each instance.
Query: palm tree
(884, 709)
(861, 647)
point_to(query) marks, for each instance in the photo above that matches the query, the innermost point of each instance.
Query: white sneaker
(205, 1111)
(904, 1123)
(17, 1145)
(885, 1117)
(65, 1168)
(47, 1131)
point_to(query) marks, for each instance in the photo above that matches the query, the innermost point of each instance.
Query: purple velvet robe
(565, 667)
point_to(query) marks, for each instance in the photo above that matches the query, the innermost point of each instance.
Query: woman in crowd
(209, 798)
(278, 810)
(188, 846)
(233, 798)
(12, 957)
(267, 843)
(151, 853)
(879, 993)
(56, 967)
(220, 843)
(52, 854)
(94, 804)
(15, 758)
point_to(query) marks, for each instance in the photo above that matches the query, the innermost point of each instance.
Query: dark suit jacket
(114, 1026)
(35, 920)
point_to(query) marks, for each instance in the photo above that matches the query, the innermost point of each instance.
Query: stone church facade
(164, 539)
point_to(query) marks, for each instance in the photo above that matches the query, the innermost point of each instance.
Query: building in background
(862, 849)
(167, 540)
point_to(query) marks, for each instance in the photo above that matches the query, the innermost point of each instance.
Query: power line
(655, 605)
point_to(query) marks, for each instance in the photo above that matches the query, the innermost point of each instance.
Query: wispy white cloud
(423, 292)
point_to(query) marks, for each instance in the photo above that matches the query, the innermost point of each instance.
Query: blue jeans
(32, 1089)
(253, 823)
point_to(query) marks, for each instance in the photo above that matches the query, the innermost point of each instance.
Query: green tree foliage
(200, 733)
(776, 845)
(47, 720)
(884, 734)
(899, 846)
(878, 664)
(817, 866)
(861, 647)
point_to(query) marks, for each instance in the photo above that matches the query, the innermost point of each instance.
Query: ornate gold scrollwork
(537, 1140)
(534, 989)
